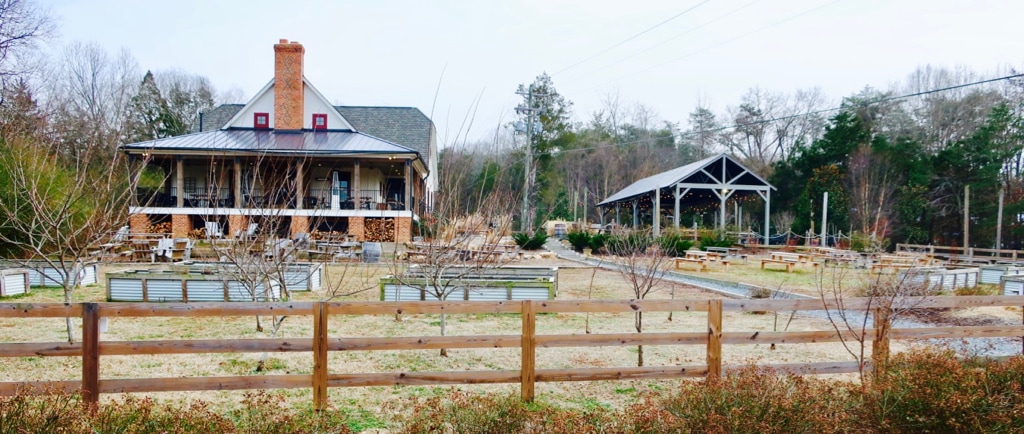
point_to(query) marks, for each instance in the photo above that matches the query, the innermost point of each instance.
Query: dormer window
(319, 121)
(261, 120)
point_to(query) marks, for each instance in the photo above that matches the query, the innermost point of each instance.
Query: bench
(701, 264)
(789, 264)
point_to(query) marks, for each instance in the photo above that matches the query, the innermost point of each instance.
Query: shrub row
(923, 392)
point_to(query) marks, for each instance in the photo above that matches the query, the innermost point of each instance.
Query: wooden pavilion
(696, 185)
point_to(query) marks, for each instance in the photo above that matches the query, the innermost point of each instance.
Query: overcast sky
(398, 52)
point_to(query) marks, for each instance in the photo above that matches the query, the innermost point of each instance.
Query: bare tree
(23, 24)
(460, 235)
(61, 206)
(885, 294)
(642, 264)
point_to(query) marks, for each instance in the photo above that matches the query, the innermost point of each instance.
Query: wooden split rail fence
(91, 347)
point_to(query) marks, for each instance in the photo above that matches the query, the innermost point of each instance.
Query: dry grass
(574, 283)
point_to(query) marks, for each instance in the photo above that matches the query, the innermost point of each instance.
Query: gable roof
(407, 126)
(730, 173)
(249, 141)
(216, 118)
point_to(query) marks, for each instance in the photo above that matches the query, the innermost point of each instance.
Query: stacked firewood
(197, 234)
(380, 230)
(160, 228)
(325, 235)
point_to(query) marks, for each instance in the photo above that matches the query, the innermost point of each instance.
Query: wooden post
(714, 358)
(967, 217)
(91, 353)
(880, 346)
(999, 224)
(320, 356)
(528, 374)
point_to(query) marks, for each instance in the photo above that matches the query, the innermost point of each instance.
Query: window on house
(319, 121)
(261, 120)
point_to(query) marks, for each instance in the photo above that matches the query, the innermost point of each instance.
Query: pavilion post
(636, 213)
(724, 196)
(767, 210)
(656, 216)
(675, 212)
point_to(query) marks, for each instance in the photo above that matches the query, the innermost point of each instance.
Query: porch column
(407, 200)
(300, 191)
(355, 186)
(179, 182)
(236, 169)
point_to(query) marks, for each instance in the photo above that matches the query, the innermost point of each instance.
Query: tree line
(895, 162)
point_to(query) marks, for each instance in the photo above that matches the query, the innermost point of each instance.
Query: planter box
(938, 278)
(13, 281)
(991, 274)
(488, 284)
(298, 276)
(175, 286)
(1012, 285)
(42, 274)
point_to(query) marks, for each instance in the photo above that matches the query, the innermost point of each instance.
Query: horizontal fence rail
(320, 344)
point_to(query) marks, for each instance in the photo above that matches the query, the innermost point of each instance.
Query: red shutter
(319, 121)
(261, 120)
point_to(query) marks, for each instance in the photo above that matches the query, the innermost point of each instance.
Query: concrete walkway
(977, 346)
(722, 287)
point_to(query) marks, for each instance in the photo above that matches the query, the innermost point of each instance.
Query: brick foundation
(403, 229)
(356, 228)
(181, 225)
(139, 223)
(300, 224)
(237, 224)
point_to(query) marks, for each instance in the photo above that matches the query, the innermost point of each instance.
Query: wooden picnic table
(729, 251)
(802, 258)
(700, 254)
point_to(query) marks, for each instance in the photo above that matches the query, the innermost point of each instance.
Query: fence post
(320, 356)
(880, 346)
(527, 371)
(91, 353)
(714, 358)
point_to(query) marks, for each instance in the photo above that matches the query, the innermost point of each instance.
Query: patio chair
(213, 230)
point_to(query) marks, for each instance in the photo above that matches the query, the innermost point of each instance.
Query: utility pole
(530, 127)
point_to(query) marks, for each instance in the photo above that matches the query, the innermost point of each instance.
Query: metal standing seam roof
(668, 178)
(407, 126)
(267, 141)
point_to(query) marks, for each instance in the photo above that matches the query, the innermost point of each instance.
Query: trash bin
(371, 252)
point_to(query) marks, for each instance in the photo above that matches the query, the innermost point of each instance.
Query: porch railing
(315, 198)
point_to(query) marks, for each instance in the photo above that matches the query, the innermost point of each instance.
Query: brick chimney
(288, 94)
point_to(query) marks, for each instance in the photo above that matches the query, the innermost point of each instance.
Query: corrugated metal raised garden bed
(486, 284)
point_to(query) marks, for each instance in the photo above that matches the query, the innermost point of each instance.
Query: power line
(630, 38)
(810, 113)
(690, 30)
(785, 20)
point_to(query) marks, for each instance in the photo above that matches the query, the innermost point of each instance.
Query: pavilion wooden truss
(717, 178)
